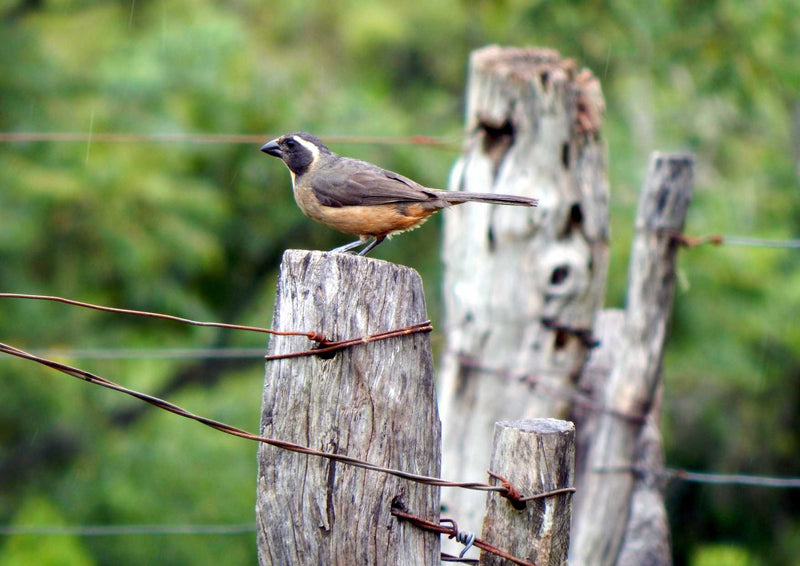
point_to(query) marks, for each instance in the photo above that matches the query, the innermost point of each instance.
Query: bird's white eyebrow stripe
(308, 145)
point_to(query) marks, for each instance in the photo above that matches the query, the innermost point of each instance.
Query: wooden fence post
(535, 456)
(374, 401)
(521, 286)
(619, 512)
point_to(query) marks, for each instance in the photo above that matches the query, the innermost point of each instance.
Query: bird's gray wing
(370, 186)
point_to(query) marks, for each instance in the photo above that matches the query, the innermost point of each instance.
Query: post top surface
(541, 426)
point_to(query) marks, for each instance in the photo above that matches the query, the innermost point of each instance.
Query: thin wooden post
(646, 539)
(535, 456)
(521, 286)
(619, 515)
(374, 401)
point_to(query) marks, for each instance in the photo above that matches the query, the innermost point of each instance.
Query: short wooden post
(374, 401)
(535, 456)
(521, 286)
(613, 509)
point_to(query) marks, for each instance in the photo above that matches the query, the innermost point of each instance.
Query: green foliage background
(198, 229)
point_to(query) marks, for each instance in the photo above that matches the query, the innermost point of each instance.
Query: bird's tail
(458, 197)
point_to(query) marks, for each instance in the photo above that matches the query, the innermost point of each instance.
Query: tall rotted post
(521, 286)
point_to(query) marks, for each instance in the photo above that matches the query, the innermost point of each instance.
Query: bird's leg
(348, 247)
(377, 240)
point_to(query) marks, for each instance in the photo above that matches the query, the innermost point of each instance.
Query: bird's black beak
(272, 148)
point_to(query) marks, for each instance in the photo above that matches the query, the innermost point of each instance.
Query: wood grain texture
(615, 513)
(515, 280)
(535, 455)
(374, 401)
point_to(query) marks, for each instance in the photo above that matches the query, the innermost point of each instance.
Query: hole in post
(497, 138)
(325, 355)
(559, 275)
(576, 214)
(560, 342)
(663, 197)
(519, 505)
(565, 157)
(573, 221)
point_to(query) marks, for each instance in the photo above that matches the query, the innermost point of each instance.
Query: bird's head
(299, 151)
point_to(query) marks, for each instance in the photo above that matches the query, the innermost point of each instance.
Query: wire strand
(443, 142)
(399, 510)
(719, 239)
(125, 530)
(234, 431)
(760, 242)
(152, 353)
(310, 335)
(705, 477)
(732, 479)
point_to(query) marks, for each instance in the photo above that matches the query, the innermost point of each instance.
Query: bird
(362, 199)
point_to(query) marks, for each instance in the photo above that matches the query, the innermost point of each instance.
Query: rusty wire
(324, 344)
(329, 346)
(517, 499)
(400, 511)
(424, 326)
(557, 391)
(314, 336)
(719, 239)
(443, 142)
(445, 557)
(234, 431)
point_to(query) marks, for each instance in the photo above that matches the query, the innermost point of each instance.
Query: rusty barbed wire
(517, 499)
(424, 326)
(467, 538)
(400, 511)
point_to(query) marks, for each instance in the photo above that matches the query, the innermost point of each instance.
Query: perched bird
(360, 198)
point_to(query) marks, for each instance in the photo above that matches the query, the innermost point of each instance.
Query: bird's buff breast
(381, 220)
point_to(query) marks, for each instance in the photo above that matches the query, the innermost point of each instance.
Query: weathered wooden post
(374, 401)
(619, 510)
(535, 456)
(521, 287)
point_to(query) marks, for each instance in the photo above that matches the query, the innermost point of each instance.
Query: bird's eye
(290, 143)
